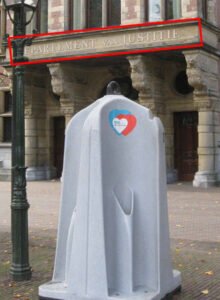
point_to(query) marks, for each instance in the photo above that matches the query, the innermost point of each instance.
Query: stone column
(206, 176)
(36, 143)
(67, 110)
(202, 70)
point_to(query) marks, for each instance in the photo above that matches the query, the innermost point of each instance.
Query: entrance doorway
(59, 133)
(186, 144)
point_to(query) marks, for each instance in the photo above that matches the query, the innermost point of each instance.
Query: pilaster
(202, 71)
(36, 140)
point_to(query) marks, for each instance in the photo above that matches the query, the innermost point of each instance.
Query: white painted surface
(113, 238)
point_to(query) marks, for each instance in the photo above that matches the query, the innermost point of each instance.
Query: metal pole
(20, 268)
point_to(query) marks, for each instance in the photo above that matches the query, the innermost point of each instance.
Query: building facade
(181, 86)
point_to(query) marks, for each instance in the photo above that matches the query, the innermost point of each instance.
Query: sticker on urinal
(122, 121)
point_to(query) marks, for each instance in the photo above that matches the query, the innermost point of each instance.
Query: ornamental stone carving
(196, 76)
(147, 79)
(202, 71)
(78, 86)
(57, 80)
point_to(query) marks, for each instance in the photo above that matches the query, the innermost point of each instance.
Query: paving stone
(194, 229)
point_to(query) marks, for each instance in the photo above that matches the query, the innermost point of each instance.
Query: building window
(203, 9)
(7, 102)
(42, 16)
(7, 129)
(146, 12)
(6, 117)
(114, 12)
(173, 9)
(94, 13)
(2, 25)
(40, 20)
(70, 14)
(155, 11)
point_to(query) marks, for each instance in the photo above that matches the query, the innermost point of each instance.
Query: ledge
(5, 145)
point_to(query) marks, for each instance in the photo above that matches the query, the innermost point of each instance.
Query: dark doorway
(59, 133)
(186, 144)
(126, 87)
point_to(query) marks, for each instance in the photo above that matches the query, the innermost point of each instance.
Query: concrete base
(169, 296)
(205, 179)
(40, 173)
(58, 291)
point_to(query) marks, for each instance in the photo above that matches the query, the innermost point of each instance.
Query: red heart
(132, 121)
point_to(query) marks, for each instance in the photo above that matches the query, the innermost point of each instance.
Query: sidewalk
(194, 216)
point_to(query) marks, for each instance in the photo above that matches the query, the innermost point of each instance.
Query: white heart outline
(119, 124)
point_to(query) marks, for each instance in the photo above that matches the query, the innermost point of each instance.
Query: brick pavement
(194, 216)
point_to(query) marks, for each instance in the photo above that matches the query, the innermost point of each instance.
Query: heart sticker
(122, 121)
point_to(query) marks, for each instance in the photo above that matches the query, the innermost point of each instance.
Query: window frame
(7, 135)
(70, 14)
(165, 4)
(203, 9)
(36, 23)
(109, 13)
(5, 114)
(146, 10)
(87, 14)
(3, 20)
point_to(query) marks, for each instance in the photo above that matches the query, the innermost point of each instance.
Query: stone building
(180, 85)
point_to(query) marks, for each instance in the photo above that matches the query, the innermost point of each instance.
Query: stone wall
(189, 8)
